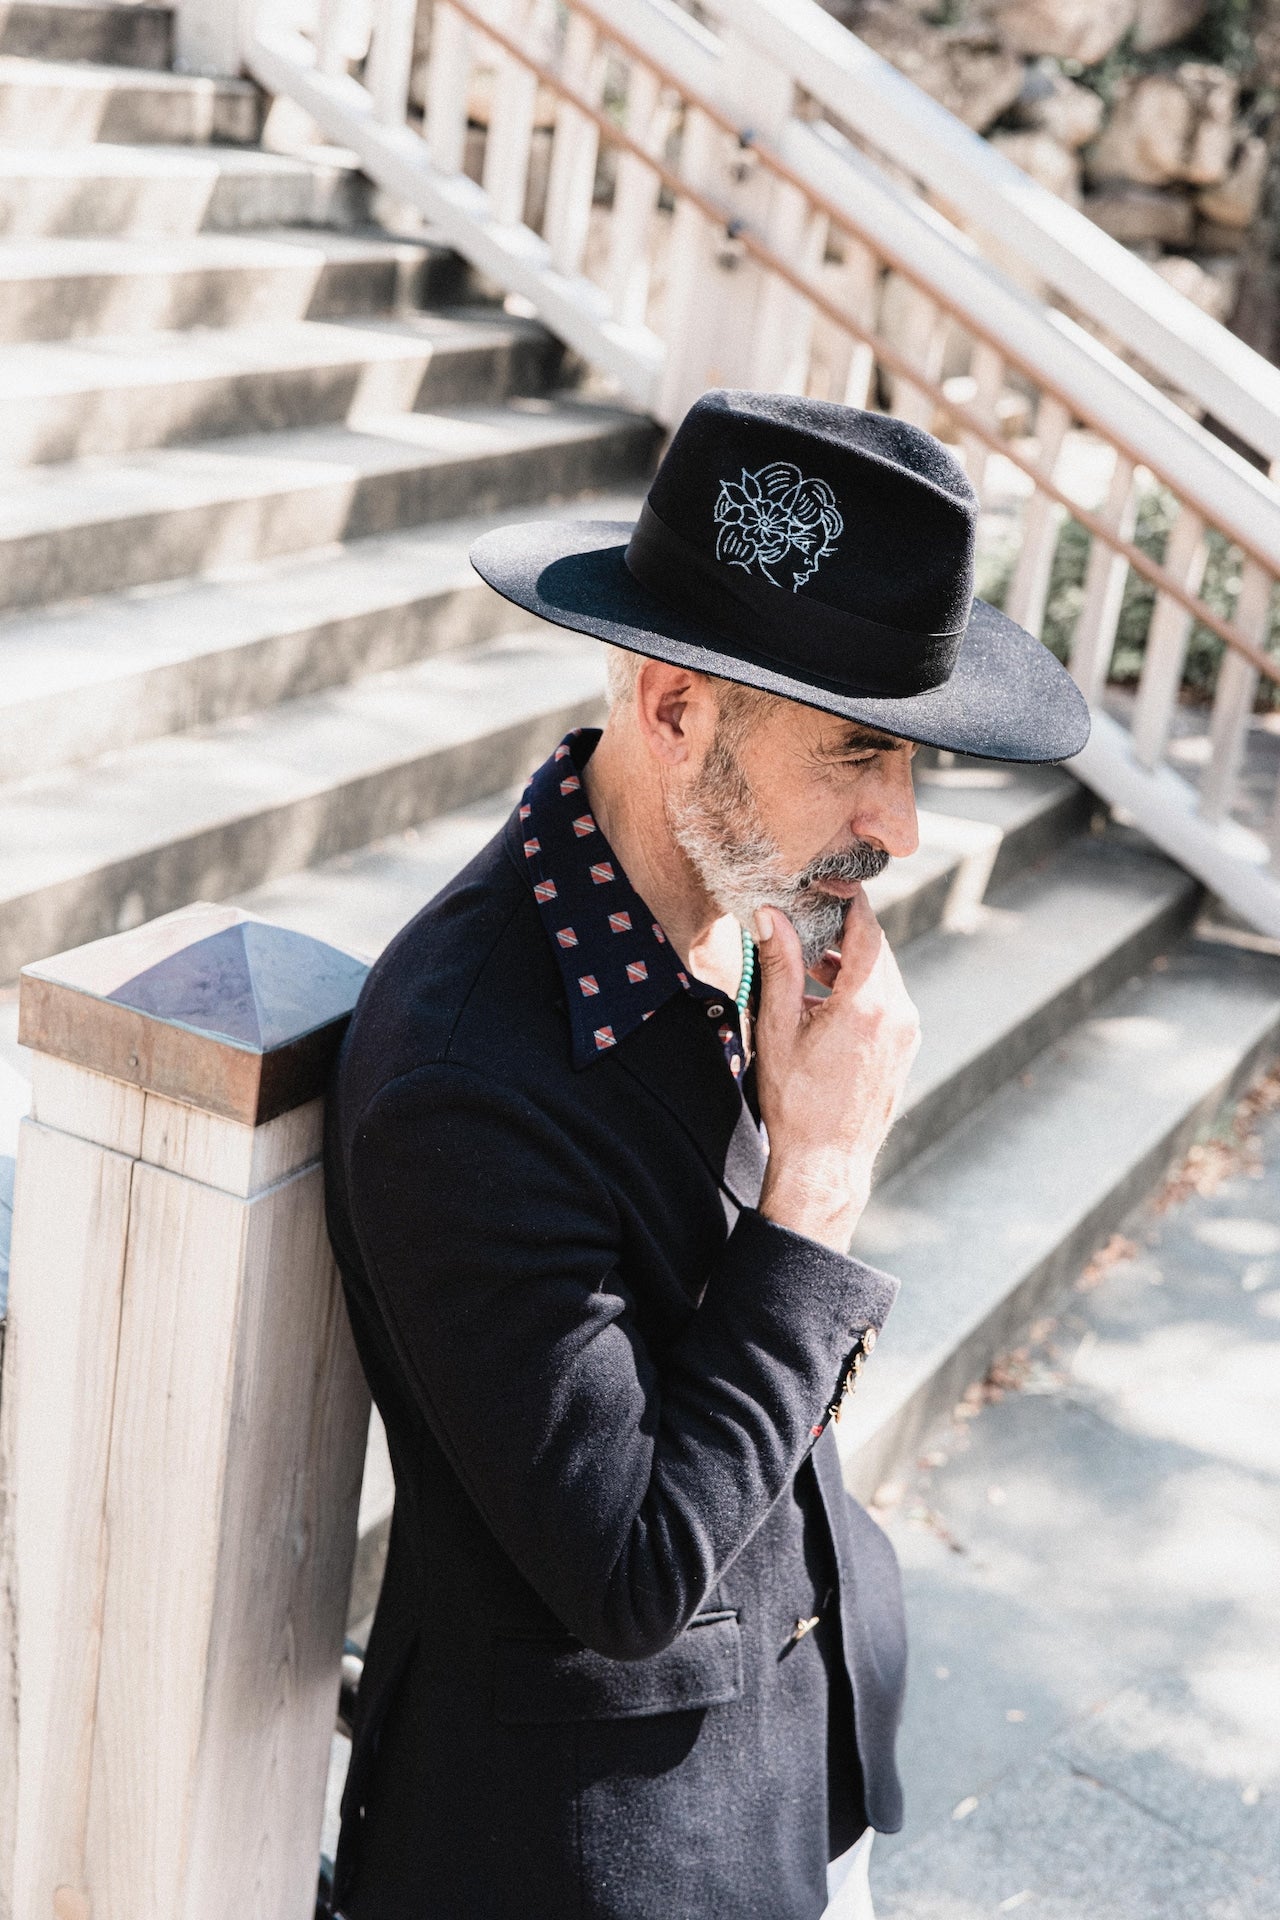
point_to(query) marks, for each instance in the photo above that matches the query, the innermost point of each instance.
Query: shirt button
(714, 1010)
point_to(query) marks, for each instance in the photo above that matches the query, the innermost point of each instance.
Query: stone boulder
(1045, 159)
(1234, 202)
(1143, 216)
(1211, 288)
(1162, 23)
(1176, 125)
(968, 70)
(1084, 30)
(1050, 103)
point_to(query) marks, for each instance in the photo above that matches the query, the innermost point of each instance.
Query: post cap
(208, 1006)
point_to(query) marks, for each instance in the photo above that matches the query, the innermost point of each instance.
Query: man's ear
(675, 711)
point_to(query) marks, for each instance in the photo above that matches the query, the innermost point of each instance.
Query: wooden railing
(674, 206)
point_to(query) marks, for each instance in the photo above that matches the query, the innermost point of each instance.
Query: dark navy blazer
(606, 1381)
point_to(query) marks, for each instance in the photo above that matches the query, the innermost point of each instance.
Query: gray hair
(738, 706)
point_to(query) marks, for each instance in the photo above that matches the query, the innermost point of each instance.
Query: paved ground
(1092, 1562)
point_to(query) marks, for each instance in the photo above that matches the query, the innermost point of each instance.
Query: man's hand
(829, 1071)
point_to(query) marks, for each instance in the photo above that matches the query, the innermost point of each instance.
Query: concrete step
(103, 674)
(129, 35)
(169, 192)
(209, 813)
(97, 526)
(75, 289)
(986, 1228)
(120, 394)
(1034, 958)
(65, 104)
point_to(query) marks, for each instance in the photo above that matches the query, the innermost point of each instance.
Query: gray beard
(717, 825)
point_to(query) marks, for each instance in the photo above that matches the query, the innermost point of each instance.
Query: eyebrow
(858, 737)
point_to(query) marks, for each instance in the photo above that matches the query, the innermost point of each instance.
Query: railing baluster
(780, 352)
(1029, 588)
(448, 84)
(635, 195)
(391, 59)
(988, 373)
(511, 116)
(1166, 646)
(1234, 694)
(331, 36)
(575, 144)
(923, 338)
(1104, 582)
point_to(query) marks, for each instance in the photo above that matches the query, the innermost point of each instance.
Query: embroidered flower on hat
(771, 514)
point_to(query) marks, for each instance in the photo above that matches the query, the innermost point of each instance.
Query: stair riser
(129, 113)
(110, 420)
(36, 206)
(132, 36)
(106, 555)
(892, 1450)
(927, 1120)
(83, 306)
(213, 864)
(69, 728)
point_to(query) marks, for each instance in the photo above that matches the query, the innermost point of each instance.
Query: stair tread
(148, 797)
(162, 159)
(970, 1220)
(33, 370)
(112, 488)
(298, 249)
(1030, 941)
(50, 652)
(23, 70)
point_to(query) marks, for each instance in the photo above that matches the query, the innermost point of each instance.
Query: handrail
(1093, 273)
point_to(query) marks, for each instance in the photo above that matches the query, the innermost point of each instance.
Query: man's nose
(888, 814)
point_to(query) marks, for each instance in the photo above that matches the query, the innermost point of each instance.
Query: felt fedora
(815, 551)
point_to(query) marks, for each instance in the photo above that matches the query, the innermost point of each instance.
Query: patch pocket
(553, 1680)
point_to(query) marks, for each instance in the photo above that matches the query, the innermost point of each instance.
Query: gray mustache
(862, 862)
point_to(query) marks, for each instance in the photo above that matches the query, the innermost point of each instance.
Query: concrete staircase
(248, 438)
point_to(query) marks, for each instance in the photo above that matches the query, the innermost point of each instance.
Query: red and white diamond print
(525, 811)
(588, 983)
(567, 937)
(620, 923)
(531, 847)
(584, 825)
(604, 1037)
(562, 752)
(637, 970)
(601, 872)
(570, 784)
(659, 935)
(545, 890)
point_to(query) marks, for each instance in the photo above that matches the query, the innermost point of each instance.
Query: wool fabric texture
(605, 1378)
(817, 551)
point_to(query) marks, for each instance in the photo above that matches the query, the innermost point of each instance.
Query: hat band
(853, 654)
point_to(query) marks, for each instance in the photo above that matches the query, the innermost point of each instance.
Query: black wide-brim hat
(814, 551)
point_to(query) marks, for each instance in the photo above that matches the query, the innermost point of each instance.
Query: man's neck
(625, 795)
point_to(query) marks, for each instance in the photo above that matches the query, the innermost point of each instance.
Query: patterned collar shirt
(617, 964)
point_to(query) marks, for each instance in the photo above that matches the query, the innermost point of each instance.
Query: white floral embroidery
(766, 516)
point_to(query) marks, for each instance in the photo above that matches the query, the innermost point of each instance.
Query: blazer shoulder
(469, 980)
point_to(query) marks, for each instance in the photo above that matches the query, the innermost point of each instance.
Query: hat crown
(855, 510)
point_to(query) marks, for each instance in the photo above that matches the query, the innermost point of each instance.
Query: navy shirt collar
(616, 962)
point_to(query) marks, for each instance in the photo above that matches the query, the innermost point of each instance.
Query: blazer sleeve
(620, 1485)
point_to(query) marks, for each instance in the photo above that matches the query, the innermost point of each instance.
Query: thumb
(781, 960)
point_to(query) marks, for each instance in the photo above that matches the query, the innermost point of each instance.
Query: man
(594, 1160)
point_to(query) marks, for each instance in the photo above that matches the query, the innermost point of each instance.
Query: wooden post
(182, 1430)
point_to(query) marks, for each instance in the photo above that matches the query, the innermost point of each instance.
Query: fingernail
(764, 924)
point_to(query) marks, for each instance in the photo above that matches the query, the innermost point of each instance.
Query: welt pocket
(549, 1680)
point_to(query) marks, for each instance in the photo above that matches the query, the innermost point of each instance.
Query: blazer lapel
(708, 1106)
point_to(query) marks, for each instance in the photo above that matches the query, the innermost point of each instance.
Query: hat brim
(1007, 697)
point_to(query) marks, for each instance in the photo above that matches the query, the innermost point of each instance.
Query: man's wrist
(814, 1201)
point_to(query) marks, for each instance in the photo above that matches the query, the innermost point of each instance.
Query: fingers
(861, 944)
(781, 961)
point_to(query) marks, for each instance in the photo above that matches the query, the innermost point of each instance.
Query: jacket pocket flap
(543, 1680)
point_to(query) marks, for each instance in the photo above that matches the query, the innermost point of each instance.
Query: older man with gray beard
(596, 1151)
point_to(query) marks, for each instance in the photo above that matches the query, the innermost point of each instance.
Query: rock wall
(1158, 117)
